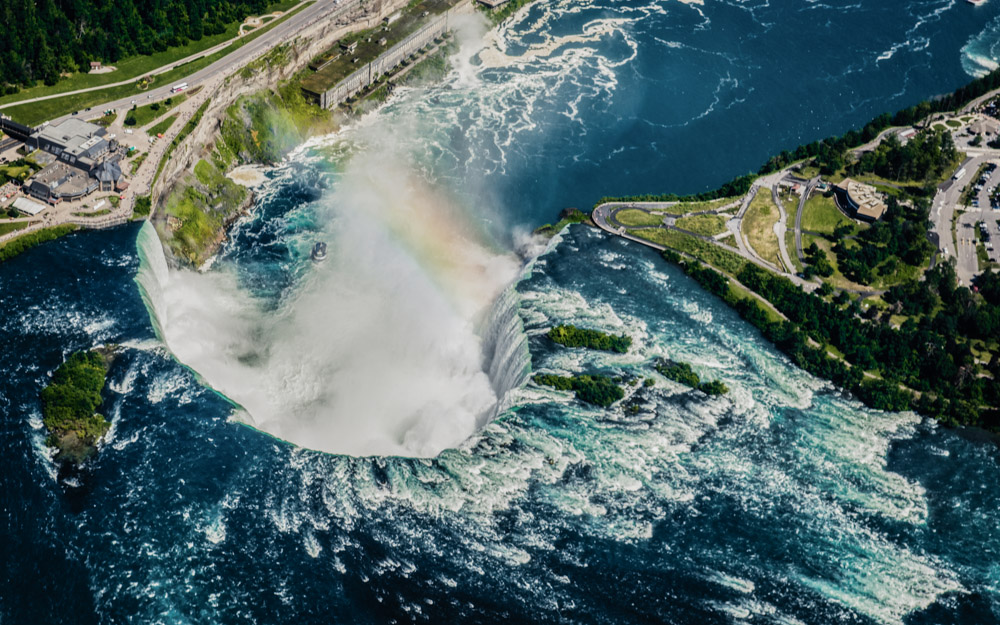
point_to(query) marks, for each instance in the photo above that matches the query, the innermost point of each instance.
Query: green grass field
(708, 225)
(14, 172)
(10, 226)
(709, 253)
(820, 214)
(695, 207)
(147, 113)
(164, 125)
(137, 66)
(634, 217)
(37, 112)
(758, 226)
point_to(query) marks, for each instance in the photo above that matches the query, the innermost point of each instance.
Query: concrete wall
(392, 57)
(347, 17)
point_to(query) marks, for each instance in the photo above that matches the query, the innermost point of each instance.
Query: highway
(215, 73)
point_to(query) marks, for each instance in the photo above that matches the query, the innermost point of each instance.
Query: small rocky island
(683, 373)
(598, 390)
(572, 336)
(70, 402)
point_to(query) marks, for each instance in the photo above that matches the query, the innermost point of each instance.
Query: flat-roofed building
(28, 207)
(61, 181)
(72, 140)
(863, 200)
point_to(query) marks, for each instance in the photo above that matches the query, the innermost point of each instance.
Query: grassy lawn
(137, 161)
(132, 67)
(809, 171)
(147, 113)
(902, 273)
(10, 226)
(820, 214)
(106, 120)
(837, 280)
(790, 246)
(694, 207)
(635, 217)
(709, 253)
(954, 123)
(139, 65)
(708, 225)
(14, 172)
(37, 112)
(163, 126)
(758, 226)
(97, 213)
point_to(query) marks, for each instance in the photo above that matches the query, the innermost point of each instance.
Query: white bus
(178, 88)
(959, 174)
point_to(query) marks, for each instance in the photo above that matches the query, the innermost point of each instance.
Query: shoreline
(817, 352)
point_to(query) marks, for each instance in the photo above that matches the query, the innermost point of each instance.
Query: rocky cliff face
(261, 74)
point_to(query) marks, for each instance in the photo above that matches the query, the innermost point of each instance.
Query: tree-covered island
(683, 373)
(70, 402)
(598, 390)
(572, 336)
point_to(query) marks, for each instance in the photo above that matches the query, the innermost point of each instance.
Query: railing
(100, 224)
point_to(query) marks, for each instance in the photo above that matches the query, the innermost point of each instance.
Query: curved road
(603, 216)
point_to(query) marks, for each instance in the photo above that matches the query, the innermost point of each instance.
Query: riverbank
(917, 340)
(261, 128)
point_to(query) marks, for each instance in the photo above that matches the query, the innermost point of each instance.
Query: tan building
(861, 199)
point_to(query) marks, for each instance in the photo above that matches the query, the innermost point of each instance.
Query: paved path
(779, 230)
(251, 51)
(810, 187)
(603, 216)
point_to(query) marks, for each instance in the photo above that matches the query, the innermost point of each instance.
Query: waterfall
(505, 347)
(323, 385)
(153, 274)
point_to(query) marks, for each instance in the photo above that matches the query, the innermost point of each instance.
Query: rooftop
(868, 199)
(63, 179)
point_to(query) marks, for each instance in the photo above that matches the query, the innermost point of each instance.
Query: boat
(976, 2)
(319, 252)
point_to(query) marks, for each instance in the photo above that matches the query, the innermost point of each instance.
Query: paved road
(156, 72)
(810, 187)
(217, 71)
(779, 229)
(603, 216)
(968, 232)
(943, 207)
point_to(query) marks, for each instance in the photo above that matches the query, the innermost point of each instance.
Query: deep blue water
(783, 502)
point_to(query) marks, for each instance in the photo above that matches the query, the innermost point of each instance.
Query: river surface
(398, 465)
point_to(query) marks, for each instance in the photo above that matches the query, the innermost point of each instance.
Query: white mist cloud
(378, 352)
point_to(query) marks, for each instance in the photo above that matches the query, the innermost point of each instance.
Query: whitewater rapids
(402, 343)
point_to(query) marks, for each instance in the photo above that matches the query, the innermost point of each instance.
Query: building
(108, 174)
(73, 140)
(85, 162)
(28, 207)
(985, 126)
(861, 200)
(95, 65)
(61, 181)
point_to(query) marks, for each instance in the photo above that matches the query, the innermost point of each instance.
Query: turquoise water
(782, 502)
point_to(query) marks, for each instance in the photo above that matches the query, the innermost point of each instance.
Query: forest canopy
(43, 38)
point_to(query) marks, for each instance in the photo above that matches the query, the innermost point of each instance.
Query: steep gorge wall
(311, 42)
